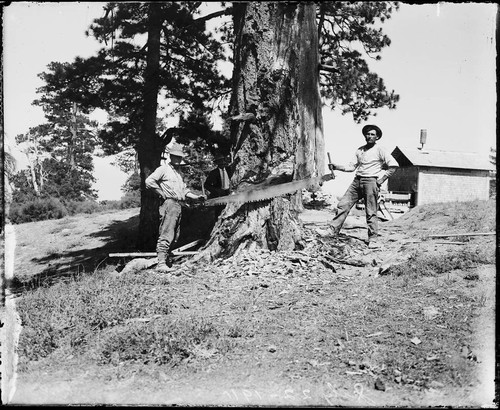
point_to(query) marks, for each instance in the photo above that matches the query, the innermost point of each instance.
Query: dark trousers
(361, 187)
(170, 220)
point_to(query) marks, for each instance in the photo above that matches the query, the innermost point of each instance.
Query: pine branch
(226, 12)
(329, 68)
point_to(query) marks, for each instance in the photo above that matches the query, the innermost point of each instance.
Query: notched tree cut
(276, 88)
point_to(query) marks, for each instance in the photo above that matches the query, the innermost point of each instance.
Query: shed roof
(441, 159)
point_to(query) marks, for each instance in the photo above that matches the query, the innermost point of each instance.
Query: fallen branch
(328, 265)
(463, 234)
(177, 251)
(375, 334)
(147, 254)
(345, 261)
(134, 255)
(298, 258)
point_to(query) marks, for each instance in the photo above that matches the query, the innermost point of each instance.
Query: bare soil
(314, 327)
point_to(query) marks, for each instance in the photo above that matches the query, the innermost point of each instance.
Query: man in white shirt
(373, 165)
(168, 183)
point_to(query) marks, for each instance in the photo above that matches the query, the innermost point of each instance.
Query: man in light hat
(168, 183)
(373, 165)
(217, 182)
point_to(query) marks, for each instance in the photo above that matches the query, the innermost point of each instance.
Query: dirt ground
(297, 343)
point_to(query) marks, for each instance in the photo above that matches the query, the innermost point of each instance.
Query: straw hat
(176, 150)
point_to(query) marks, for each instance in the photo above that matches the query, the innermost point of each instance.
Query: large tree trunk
(276, 79)
(150, 145)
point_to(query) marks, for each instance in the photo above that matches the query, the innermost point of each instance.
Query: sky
(441, 61)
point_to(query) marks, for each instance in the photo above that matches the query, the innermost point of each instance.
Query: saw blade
(269, 192)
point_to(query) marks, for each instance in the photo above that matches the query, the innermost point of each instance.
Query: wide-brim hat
(370, 127)
(176, 150)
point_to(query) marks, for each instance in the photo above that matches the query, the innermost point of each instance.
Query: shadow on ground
(118, 236)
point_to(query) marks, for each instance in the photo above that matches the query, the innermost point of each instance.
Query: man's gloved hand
(332, 167)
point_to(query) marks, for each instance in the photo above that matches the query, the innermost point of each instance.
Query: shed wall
(449, 185)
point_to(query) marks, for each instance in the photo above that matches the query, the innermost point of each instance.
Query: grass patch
(67, 315)
(474, 216)
(422, 263)
(111, 321)
(162, 341)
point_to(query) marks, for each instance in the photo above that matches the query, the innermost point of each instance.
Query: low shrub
(38, 210)
(109, 205)
(130, 200)
(53, 208)
(83, 207)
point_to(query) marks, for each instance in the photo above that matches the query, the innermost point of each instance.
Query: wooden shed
(440, 176)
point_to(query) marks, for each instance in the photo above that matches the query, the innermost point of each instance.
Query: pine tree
(160, 52)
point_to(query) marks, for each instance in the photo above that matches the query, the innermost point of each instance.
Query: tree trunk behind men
(150, 146)
(276, 83)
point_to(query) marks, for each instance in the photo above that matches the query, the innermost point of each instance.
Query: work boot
(162, 267)
(162, 264)
(334, 232)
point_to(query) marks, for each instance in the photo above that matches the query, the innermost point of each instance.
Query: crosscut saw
(269, 191)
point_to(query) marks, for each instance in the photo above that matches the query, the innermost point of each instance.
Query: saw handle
(329, 162)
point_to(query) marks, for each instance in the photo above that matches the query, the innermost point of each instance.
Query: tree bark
(276, 79)
(33, 164)
(150, 145)
(33, 178)
(74, 136)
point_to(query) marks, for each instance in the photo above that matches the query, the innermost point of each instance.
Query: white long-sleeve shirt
(169, 181)
(371, 162)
